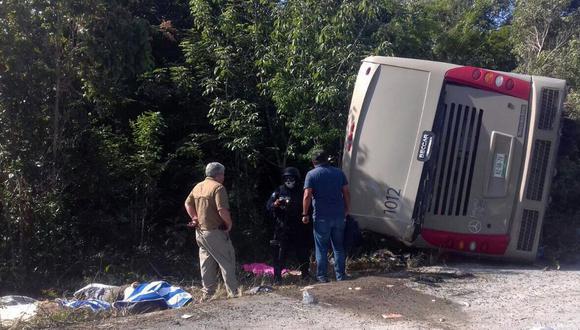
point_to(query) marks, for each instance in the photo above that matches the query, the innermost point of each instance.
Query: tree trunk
(56, 114)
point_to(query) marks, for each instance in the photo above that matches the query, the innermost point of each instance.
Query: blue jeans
(329, 231)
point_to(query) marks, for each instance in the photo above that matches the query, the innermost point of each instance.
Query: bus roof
(442, 67)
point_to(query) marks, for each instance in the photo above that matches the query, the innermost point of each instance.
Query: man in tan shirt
(208, 208)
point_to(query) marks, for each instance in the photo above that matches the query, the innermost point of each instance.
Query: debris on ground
(94, 305)
(432, 276)
(260, 289)
(431, 280)
(308, 298)
(98, 291)
(154, 295)
(443, 272)
(261, 269)
(385, 253)
(464, 303)
(414, 261)
(457, 274)
(135, 299)
(94, 296)
(394, 260)
(392, 316)
(16, 308)
(380, 260)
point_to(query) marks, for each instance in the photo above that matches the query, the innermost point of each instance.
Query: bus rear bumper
(484, 244)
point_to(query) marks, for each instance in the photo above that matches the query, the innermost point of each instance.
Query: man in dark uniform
(290, 234)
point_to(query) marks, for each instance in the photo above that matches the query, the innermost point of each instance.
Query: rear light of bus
(472, 246)
(509, 85)
(489, 80)
(498, 81)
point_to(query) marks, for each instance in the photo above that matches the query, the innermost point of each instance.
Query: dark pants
(280, 250)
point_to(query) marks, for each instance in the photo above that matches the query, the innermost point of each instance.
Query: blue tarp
(173, 296)
(146, 296)
(94, 304)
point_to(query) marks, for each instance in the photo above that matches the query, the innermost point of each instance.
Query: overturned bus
(452, 157)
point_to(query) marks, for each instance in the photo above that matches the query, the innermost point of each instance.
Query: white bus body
(452, 157)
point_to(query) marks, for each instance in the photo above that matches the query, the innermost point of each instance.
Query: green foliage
(474, 39)
(69, 163)
(117, 51)
(311, 64)
(222, 50)
(546, 38)
(147, 132)
(465, 32)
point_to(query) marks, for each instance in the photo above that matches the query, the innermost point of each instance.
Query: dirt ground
(463, 295)
(512, 297)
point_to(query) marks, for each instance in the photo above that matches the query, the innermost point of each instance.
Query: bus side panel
(546, 106)
(382, 150)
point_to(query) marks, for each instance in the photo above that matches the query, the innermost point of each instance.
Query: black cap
(291, 171)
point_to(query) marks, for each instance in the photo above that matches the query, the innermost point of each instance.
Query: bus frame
(452, 157)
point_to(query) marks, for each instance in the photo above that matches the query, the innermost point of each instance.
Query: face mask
(290, 183)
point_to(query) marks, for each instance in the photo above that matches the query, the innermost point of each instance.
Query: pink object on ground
(261, 269)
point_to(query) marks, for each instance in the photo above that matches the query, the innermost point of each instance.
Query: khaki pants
(216, 250)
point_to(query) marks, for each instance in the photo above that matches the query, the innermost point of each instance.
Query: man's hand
(193, 223)
(227, 219)
(191, 211)
(306, 201)
(277, 202)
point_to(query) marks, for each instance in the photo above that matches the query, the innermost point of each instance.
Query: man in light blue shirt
(326, 186)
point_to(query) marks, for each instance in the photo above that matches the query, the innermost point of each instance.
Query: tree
(311, 63)
(547, 42)
(61, 63)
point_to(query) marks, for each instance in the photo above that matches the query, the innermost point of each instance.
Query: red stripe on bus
(487, 244)
(485, 79)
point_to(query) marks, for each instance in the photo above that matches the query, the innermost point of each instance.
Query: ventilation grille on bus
(540, 157)
(528, 230)
(457, 147)
(548, 110)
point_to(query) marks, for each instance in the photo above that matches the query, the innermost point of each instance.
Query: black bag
(352, 235)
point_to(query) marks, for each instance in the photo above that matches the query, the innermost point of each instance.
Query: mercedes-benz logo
(474, 226)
